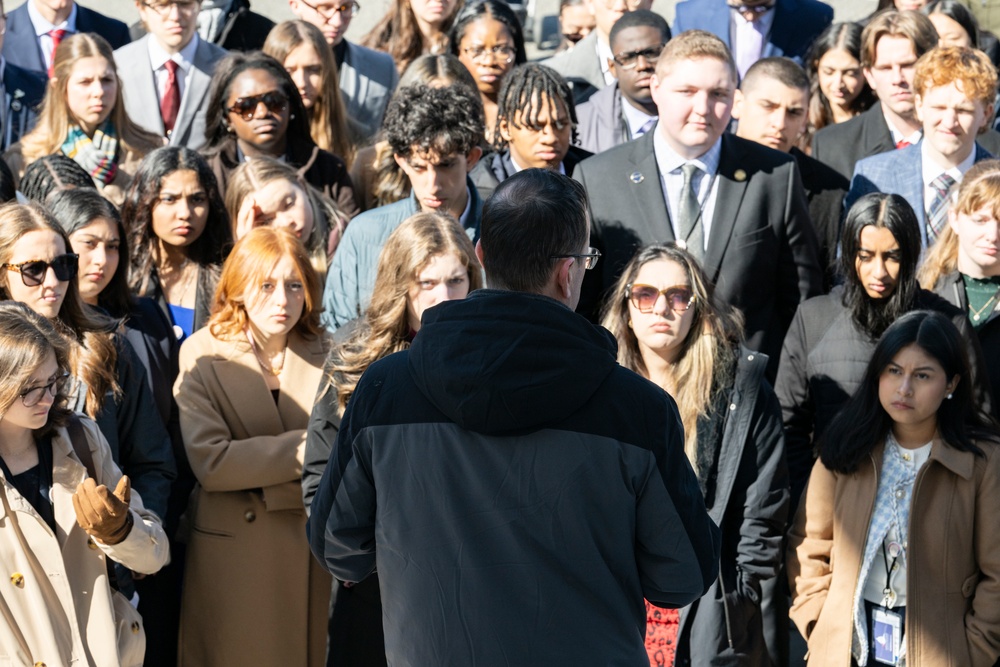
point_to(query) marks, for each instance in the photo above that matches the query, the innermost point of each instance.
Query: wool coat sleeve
(810, 545)
(982, 621)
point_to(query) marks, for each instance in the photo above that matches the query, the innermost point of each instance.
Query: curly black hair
(446, 120)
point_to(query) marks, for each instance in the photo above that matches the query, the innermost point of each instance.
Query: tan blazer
(253, 593)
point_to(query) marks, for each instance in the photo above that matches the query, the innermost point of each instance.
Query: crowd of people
(670, 349)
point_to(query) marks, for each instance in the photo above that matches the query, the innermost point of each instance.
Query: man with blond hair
(954, 90)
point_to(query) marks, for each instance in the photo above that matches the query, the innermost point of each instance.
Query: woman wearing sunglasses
(254, 111)
(67, 510)
(671, 331)
(83, 117)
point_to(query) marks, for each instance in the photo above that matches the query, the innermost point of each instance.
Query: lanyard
(889, 595)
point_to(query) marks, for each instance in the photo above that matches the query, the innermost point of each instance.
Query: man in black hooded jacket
(517, 490)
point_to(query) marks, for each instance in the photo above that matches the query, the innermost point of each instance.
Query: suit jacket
(580, 67)
(492, 170)
(600, 124)
(242, 29)
(796, 24)
(142, 103)
(825, 190)
(762, 251)
(367, 79)
(900, 173)
(23, 93)
(21, 47)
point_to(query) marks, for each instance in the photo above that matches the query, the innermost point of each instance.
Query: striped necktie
(937, 212)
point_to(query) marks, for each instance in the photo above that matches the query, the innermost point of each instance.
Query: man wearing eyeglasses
(21, 92)
(36, 28)
(585, 67)
(169, 70)
(229, 24)
(519, 491)
(625, 110)
(367, 77)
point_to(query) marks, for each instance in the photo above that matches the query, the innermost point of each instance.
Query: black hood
(499, 362)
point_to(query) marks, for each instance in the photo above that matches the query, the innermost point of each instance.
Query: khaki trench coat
(253, 593)
(55, 602)
(953, 572)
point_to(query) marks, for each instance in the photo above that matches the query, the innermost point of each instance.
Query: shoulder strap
(77, 438)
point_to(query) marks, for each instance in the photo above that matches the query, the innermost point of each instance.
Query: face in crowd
(444, 278)
(661, 308)
(771, 113)
(258, 113)
(543, 144)
(636, 51)
(694, 98)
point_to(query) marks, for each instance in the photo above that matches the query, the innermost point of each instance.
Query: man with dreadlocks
(536, 120)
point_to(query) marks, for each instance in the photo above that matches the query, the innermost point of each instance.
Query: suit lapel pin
(15, 104)
(740, 175)
(636, 177)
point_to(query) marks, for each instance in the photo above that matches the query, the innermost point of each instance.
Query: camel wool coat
(953, 568)
(253, 593)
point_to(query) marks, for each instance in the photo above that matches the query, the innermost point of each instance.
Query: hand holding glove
(104, 515)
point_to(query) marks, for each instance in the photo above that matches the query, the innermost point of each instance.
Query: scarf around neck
(98, 155)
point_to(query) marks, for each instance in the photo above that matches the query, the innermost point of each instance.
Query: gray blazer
(367, 80)
(143, 104)
(600, 124)
(580, 67)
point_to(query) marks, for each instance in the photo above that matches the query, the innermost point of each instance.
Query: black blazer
(825, 191)
(21, 47)
(762, 251)
(23, 93)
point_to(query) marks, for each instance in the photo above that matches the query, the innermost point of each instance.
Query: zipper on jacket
(725, 609)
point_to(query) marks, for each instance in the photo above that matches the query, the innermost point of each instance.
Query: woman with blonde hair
(673, 332)
(83, 117)
(303, 50)
(411, 28)
(253, 594)
(427, 260)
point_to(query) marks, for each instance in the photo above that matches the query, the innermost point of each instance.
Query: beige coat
(253, 593)
(55, 603)
(953, 573)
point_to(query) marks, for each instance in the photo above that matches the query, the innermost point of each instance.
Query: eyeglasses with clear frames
(589, 258)
(31, 397)
(183, 6)
(327, 12)
(501, 53)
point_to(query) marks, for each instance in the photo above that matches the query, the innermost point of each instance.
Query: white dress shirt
(518, 168)
(603, 53)
(43, 28)
(636, 118)
(158, 60)
(705, 182)
(748, 38)
(930, 170)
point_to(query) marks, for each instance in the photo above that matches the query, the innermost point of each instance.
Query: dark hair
(785, 71)
(958, 13)
(494, 9)
(846, 36)
(885, 211)
(216, 127)
(521, 94)
(531, 217)
(208, 250)
(863, 423)
(74, 210)
(7, 190)
(447, 120)
(53, 172)
(640, 18)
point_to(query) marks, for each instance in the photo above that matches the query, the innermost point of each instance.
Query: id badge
(886, 635)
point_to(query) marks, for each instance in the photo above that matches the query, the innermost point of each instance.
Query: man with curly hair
(435, 136)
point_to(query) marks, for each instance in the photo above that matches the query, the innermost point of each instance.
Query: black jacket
(508, 478)
(495, 168)
(825, 191)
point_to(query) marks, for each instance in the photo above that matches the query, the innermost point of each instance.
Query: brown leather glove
(104, 515)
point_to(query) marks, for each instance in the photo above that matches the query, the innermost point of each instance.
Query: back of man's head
(909, 25)
(783, 70)
(445, 121)
(532, 217)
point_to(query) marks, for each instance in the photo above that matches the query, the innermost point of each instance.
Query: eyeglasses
(163, 8)
(630, 59)
(644, 297)
(590, 258)
(329, 11)
(501, 53)
(246, 107)
(33, 271)
(31, 397)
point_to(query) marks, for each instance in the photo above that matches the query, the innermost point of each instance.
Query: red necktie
(57, 36)
(170, 103)
(903, 143)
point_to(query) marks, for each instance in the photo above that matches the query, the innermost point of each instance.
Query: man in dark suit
(22, 92)
(772, 107)
(737, 205)
(754, 29)
(35, 29)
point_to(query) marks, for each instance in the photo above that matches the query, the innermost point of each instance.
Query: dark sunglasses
(246, 107)
(644, 297)
(31, 397)
(33, 271)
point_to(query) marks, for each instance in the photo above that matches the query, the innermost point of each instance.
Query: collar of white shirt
(603, 53)
(517, 167)
(897, 136)
(668, 161)
(43, 27)
(635, 118)
(931, 170)
(184, 58)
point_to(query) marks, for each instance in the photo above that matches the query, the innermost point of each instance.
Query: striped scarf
(96, 155)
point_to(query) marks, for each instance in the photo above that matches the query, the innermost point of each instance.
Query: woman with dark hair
(178, 234)
(50, 173)
(673, 332)
(905, 491)
(957, 26)
(838, 90)
(411, 28)
(831, 338)
(487, 38)
(255, 110)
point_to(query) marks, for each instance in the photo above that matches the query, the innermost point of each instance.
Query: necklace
(273, 369)
(976, 314)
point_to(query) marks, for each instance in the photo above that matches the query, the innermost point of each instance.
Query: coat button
(17, 579)
(750, 358)
(91, 544)
(732, 406)
(250, 516)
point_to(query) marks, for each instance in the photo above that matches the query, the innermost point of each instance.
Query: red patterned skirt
(661, 635)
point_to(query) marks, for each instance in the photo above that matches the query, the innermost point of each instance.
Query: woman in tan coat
(894, 557)
(253, 593)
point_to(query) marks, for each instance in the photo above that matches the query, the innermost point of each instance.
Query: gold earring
(630, 324)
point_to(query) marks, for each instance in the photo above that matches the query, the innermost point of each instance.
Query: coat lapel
(141, 83)
(196, 88)
(727, 204)
(646, 186)
(21, 39)
(304, 362)
(875, 136)
(240, 376)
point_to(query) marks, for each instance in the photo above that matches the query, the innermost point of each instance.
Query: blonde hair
(707, 354)
(249, 264)
(912, 26)
(386, 328)
(695, 45)
(55, 117)
(93, 355)
(328, 117)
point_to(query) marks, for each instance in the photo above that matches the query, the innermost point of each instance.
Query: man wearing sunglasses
(625, 110)
(170, 69)
(530, 491)
(367, 77)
